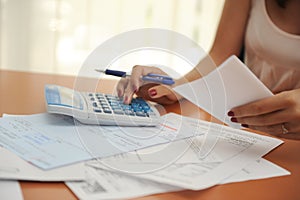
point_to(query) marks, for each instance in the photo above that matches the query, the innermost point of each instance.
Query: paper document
(231, 84)
(259, 169)
(49, 141)
(103, 184)
(10, 190)
(13, 167)
(46, 141)
(234, 150)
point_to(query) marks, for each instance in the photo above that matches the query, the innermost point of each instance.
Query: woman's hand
(129, 86)
(277, 115)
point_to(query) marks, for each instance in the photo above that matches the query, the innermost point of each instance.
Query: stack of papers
(126, 162)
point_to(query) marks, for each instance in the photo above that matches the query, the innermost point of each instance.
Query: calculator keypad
(109, 104)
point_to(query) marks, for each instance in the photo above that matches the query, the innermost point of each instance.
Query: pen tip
(99, 70)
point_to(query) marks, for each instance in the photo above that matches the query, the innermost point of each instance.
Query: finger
(277, 117)
(278, 131)
(143, 91)
(275, 130)
(160, 91)
(128, 93)
(139, 70)
(135, 78)
(127, 97)
(263, 106)
(294, 136)
(293, 129)
(135, 81)
(122, 84)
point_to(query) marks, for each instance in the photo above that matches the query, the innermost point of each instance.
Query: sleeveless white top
(271, 53)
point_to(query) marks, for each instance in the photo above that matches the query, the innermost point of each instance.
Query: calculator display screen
(62, 96)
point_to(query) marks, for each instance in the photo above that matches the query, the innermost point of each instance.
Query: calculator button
(98, 110)
(141, 114)
(114, 103)
(109, 96)
(101, 98)
(126, 107)
(129, 112)
(119, 112)
(91, 94)
(116, 107)
(95, 104)
(106, 107)
(107, 110)
(146, 110)
(137, 109)
(92, 99)
(146, 107)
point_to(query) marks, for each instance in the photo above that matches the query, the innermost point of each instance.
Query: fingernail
(152, 92)
(233, 119)
(230, 113)
(245, 125)
(135, 89)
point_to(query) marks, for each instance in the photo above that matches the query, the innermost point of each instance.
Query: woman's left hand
(278, 115)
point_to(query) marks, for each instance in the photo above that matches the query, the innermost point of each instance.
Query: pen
(157, 78)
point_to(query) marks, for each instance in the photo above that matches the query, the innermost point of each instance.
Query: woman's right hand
(161, 94)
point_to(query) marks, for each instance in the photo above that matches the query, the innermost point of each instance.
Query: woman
(270, 32)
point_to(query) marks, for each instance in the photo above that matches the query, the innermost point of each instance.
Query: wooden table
(22, 93)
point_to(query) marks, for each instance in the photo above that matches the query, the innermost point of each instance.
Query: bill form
(13, 167)
(235, 149)
(103, 184)
(50, 141)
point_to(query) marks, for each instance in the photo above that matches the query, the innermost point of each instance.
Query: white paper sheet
(10, 190)
(235, 149)
(50, 141)
(259, 169)
(231, 84)
(13, 167)
(103, 184)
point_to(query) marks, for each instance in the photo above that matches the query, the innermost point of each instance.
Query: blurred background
(55, 36)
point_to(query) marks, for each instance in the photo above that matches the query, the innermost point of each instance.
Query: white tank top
(271, 53)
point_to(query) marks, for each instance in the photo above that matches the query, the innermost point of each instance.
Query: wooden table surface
(23, 93)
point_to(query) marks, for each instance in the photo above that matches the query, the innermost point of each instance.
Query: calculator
(99, 108)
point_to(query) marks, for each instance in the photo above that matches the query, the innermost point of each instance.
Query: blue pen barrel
(115, 73)
(157, 78)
